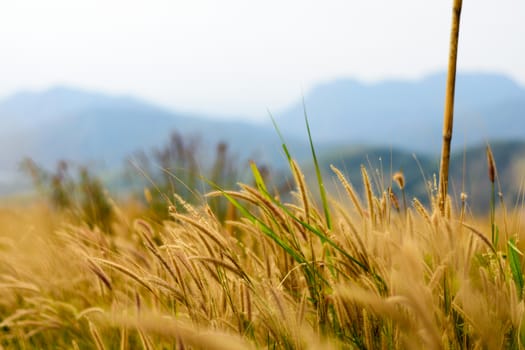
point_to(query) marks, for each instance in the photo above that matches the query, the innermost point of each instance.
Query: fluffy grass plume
(274, 276)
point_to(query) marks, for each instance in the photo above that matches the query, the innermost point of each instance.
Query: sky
(239, 58)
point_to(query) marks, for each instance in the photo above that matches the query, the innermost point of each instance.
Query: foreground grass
(274, 275)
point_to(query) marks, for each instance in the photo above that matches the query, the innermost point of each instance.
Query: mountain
(82, 126)
(409, 114)
(96, 128)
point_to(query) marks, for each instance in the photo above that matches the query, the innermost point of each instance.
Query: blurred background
(127, 87)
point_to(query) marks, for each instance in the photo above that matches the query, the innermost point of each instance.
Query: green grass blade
(283, 143)
(318, 172)
(299, 258)
(325, 239)
(296, 255)
(264, 228)
(515, 265)
(256, 221)
(259, 181)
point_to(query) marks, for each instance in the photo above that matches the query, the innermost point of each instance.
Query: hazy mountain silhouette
(72, 124)
(408, 114)
(78, 125)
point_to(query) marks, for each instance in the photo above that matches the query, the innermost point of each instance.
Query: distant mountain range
(68, 123)
(85, 127)
(409, 114)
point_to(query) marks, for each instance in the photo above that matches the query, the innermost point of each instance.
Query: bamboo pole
(448, 118)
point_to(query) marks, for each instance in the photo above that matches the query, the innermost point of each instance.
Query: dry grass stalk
(100, 274)
(491, 165)
(399, 178)
(349, 190)
(420, 208)
(448, 119)
(301, 187)
(369, 194)
(126, 272)
(220, 263)
(208, 231)
(124, 344)
(393, 199)
(96, 336)
(172, 329)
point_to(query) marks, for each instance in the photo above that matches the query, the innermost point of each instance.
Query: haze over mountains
(409, 114)
(68, 123)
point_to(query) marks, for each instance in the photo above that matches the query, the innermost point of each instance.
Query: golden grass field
(359, 272)
(264, 269)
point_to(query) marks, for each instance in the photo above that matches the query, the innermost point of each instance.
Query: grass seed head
(491, 165)
(399, 178)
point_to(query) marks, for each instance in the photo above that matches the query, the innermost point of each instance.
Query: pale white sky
(240, 56)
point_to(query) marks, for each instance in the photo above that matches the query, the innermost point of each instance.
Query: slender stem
(405, 205)
(449, 105)
(493, 214)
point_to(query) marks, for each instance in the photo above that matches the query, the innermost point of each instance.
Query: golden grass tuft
(273, 276)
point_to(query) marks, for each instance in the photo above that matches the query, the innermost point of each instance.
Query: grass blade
(283, 143)
(318, 172)
(259, 181)
(515, 265)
